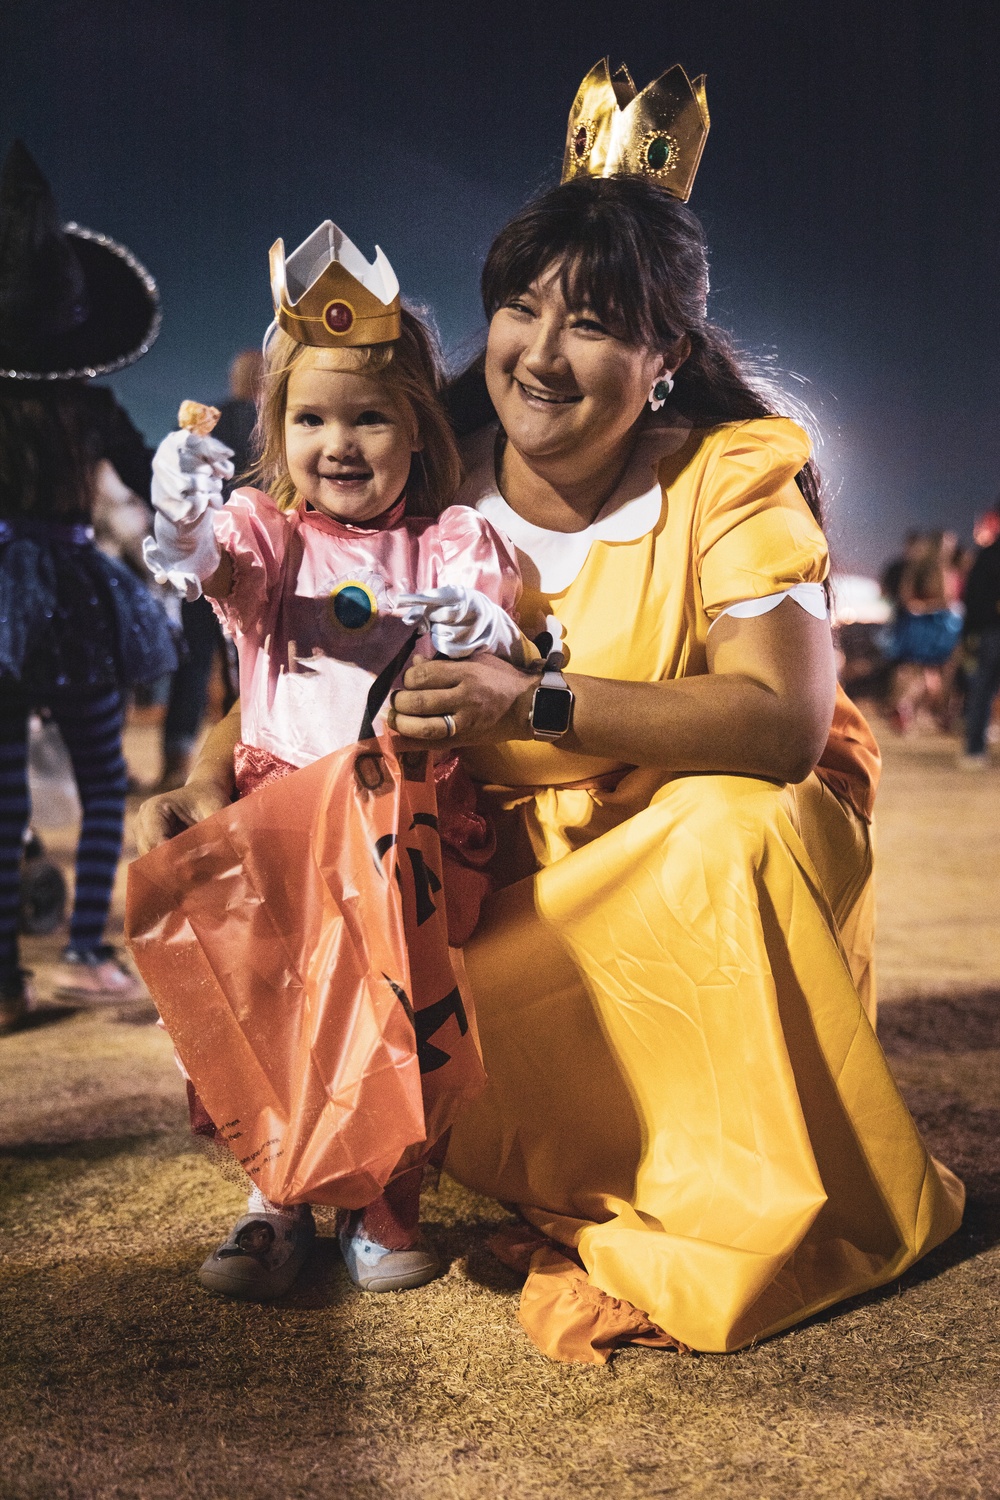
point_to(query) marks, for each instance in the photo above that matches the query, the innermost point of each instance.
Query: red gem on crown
(338, 317)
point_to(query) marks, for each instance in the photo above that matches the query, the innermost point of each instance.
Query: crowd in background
(935, 662)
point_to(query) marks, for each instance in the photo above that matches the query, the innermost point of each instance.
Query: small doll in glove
(321, 582)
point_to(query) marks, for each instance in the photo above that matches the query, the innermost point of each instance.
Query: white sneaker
(978, 762)
(374, 1268)
(261, 1256)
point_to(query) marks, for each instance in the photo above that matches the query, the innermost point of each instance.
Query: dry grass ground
(120, 1378)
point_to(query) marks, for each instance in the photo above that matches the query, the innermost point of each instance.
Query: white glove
(188, 475)
(183, 554)
(460, 621)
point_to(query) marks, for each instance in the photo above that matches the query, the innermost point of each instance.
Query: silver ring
(449, 726)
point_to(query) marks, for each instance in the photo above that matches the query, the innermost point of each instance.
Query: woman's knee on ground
(724, 811)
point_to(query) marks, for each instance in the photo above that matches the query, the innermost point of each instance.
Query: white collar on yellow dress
(551, 560)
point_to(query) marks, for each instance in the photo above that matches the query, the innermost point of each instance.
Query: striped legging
(91, 726)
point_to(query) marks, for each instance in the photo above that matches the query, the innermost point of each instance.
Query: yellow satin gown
(674, 998)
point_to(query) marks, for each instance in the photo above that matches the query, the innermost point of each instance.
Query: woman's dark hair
(48, 450)
(636, 257)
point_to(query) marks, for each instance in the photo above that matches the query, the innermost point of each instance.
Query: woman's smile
(546, 397)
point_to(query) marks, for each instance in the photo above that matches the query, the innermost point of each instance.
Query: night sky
(849, 187)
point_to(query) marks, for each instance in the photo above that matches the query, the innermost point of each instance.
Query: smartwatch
(552, 705)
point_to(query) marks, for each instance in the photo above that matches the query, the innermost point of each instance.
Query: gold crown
(659, 133)
(326, 294)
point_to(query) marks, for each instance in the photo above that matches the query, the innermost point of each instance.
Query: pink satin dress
(311, 609)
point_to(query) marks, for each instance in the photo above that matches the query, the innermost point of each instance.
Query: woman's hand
(171, 812)
(488, 699)
(207, 790)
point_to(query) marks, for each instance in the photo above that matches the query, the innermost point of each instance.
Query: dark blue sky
(849, 186)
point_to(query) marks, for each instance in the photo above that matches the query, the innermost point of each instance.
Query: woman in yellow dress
(673, 988)
(686, 1096)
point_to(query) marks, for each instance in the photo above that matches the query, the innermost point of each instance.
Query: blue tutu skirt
(72, 617)
(927, 640)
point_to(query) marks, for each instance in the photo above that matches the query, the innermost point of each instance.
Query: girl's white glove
(188, 474)
(460, 621)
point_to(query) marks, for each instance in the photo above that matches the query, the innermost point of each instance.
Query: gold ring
(449, 725)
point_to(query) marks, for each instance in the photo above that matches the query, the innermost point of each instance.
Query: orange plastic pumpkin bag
(296, 947)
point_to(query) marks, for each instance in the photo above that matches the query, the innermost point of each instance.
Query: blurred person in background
(77, 628)
(203, 635)
(238, 415)
(121, 518)
(986, 528)
(982, 637)
(892, 573)
(957, 560)
(927, 628)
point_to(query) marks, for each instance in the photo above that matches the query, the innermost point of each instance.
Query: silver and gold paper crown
(328, 295)
(659, 133)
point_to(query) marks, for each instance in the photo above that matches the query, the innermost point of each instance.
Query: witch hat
(73, 304)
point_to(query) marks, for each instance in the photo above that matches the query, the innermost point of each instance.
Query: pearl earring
(661, 390)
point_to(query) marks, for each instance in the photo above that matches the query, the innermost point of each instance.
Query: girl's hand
(488, 699)
(171, 812)
(188, 474)
(183, 553)
(461, 621)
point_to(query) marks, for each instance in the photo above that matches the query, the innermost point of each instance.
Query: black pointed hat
(73, 303)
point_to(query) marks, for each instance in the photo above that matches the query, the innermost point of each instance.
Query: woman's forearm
(215, 758)
(713, 723)
(763, 708)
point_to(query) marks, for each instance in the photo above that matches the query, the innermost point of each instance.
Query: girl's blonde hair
(411, 372)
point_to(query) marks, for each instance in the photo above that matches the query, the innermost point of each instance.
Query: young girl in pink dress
(321, 581)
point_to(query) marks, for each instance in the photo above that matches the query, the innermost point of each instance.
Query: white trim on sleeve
(810, 596)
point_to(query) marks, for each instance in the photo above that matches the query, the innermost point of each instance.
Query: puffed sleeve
(473, 554)
(254, 532)
(754, 533)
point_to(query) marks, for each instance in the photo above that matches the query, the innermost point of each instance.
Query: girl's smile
(348, 444)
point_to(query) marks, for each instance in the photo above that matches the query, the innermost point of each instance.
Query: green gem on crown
(659, 153)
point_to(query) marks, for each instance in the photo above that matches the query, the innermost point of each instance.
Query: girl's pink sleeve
(476, 556)
(254, 532)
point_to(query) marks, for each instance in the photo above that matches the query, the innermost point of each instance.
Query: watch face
(552, 710)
